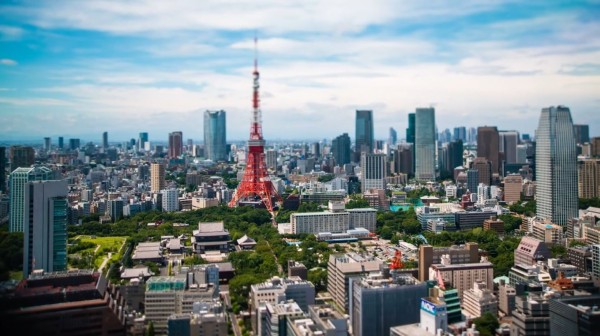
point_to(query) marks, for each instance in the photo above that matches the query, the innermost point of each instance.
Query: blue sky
(78, 68)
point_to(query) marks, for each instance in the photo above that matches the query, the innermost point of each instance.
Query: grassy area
(107, 244)
(18, 275)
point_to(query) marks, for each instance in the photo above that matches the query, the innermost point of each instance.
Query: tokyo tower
(256, 181)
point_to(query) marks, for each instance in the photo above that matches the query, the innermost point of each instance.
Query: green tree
(356, 202)
(150, 331)
(486, 324)
(326, 177)
(318, 276)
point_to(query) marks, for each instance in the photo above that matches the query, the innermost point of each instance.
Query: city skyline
(78, 69)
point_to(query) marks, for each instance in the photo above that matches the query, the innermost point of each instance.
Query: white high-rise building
(18, 183)
(425, 144)
(170, 201)
(373, 171)
(556, 166)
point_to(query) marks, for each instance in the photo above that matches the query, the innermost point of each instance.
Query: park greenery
(486, 324)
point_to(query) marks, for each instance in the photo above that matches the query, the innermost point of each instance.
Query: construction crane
(397, 261)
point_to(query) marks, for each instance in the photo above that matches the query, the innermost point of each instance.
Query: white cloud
(9, 62)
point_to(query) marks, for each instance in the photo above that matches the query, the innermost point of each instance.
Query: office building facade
(340, 146)
(373, 171)
(425, 144)
(588, 173)
(215, 139)
(18, 185)
(45, 229)
(556, 166)
(364, 131)
(175, 144)
(488, 146)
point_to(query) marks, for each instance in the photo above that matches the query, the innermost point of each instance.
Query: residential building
(429, 255)
(506, 299)
(579, 256)
(479, 300)
(425, 144)
(215, 138)
(494, 224)
(530, 250)
(19, 179)
(547, 232)
(588, 172)
(157, 177)
(596, 261)
(513, 185)
(364, 131)
(343, 267)
(373, 169)
(336, 219)
(170, 200)
(462, 276)
(45, 226)
(115, 209)
(556, 166)
(271, 158)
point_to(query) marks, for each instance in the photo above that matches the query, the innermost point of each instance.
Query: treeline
(11, 253)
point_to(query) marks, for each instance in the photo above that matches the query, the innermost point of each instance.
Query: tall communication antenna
(256, 181)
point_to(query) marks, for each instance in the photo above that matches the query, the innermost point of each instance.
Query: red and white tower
(256, 181)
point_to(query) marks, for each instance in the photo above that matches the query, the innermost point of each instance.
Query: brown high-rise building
(429, 255)
(596, 147)
(175, 144)
(488, 146)
(157, 177)
(484, 169)
(588, 172)
(78, 302)
(21, 156)
(513, 186)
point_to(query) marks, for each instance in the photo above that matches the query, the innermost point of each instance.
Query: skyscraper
(508, 141)
(2, 169)
(157, 177)
(373, 171)
(425, 144)
(364, 131)
(393, 137)
(21, 156)
(142, 140)
(214, 135)
(18, 184)
(556, 166)
(589, 178)
(47, 143)
(61, 143)
(488, 146)
(410, 131)
(45, 230)
(105, 140)
(340, 147)
(460, 133)
(582, 133)
(175, 144)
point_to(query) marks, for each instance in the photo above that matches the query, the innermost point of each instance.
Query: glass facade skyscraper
(18, 183)
(556, 166)
(215, 139)
(425, 144)
(340, 146)
(45, 230)
(364, 131)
